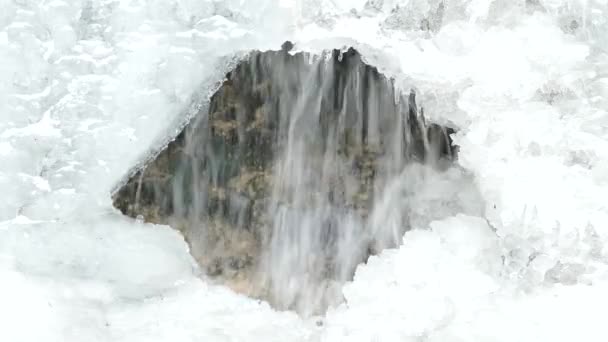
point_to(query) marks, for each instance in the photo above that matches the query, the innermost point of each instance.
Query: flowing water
(298, 170)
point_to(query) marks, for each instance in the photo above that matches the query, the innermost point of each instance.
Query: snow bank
(444, 284)
(86, 87)
(421, 287)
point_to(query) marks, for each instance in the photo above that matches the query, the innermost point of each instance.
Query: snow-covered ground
(87, 88)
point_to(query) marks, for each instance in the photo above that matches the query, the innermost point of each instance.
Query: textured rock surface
(281, 174)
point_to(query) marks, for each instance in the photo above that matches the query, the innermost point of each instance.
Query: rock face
(274, 187)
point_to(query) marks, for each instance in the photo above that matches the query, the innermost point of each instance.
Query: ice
(421, 287)
(88, 88)
(106, 278)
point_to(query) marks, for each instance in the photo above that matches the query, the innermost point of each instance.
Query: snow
(87, 88)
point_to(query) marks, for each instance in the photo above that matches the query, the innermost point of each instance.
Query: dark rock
(287, 46)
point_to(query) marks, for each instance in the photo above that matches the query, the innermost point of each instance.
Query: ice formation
(89, 87)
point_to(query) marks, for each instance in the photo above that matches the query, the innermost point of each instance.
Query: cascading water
(303, 166)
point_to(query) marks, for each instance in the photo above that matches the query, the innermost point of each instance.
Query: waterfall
(302, 167)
